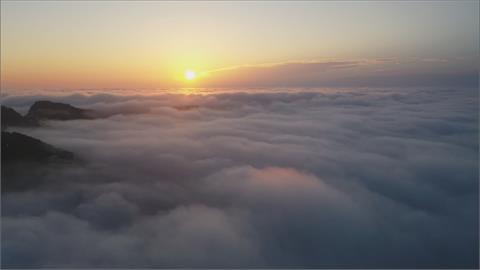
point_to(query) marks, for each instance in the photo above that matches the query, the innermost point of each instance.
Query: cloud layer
(335, 179)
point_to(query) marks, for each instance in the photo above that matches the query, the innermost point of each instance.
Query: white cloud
(312, 179)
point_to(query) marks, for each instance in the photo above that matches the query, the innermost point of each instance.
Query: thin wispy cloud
(392, 72)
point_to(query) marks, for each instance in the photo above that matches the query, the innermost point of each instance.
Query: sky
(267, 156)
(150, 44)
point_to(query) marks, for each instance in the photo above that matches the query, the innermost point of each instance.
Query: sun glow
(190, 75)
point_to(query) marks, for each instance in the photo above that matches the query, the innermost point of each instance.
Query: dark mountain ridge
(20, 147)
(26, 159)
(45, 109)
(10, 117)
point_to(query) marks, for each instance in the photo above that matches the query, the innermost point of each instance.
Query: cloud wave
(324, 179)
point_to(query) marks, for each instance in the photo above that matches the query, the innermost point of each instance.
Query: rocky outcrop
(17, 147)
(44, 109)
(26, 160)
(12, 118)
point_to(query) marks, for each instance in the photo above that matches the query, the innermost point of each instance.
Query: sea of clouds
(327, 179)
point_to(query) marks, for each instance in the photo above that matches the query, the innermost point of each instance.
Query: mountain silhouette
(10, 117)
(44, 109)
(25, 159)
(20, 147)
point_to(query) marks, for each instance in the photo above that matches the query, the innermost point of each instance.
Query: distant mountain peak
(10, 117)
(20, 147)
(44, 109)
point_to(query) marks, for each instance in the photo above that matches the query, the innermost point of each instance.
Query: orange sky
(73, 45)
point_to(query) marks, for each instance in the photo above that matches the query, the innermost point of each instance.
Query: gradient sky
(130, 44)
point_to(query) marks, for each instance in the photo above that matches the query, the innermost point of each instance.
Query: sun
(190, 75)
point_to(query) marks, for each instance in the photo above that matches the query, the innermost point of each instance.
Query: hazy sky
(129, 44)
